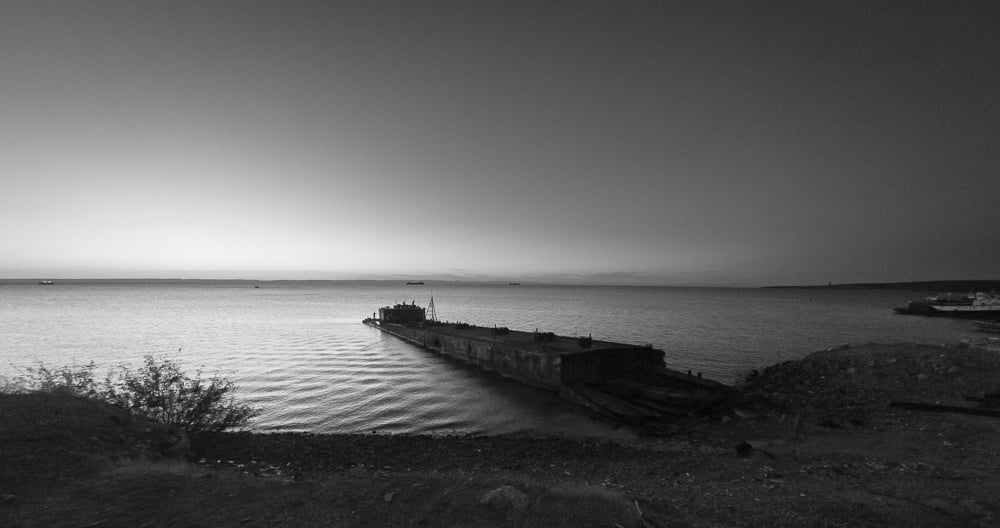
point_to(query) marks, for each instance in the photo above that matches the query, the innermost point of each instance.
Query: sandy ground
(814, 442)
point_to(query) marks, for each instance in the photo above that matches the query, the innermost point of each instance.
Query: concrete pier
(540, 359)
(628, 383)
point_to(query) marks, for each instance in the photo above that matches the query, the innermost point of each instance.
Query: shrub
(158, 390)
(161, 391)
(76, 380)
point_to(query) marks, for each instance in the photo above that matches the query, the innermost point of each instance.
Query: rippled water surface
(299, 350)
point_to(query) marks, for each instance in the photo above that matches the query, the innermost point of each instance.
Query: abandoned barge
(628, 383)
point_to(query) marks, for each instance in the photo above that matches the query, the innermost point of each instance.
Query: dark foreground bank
(817, 442)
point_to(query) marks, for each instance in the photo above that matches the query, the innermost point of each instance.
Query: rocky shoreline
(812, 442)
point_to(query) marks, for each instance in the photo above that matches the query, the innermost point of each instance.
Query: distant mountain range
(935, 286)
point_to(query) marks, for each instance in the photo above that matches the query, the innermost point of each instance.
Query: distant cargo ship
(978, 304)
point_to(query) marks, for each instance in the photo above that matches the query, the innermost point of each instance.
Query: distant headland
(937, 286)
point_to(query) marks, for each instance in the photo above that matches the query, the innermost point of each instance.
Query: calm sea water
(299, 350)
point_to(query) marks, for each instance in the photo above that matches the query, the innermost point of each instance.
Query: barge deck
(628, 383)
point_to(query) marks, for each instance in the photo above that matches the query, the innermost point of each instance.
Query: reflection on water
(300, 352)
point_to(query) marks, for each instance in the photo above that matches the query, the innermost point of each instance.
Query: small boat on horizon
(46, 282)
(414, 283)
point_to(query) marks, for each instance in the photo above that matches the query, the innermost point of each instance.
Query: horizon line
(517, 281)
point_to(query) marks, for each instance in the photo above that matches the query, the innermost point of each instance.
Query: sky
(673, 143)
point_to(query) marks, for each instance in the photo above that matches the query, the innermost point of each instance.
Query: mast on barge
(431, 312)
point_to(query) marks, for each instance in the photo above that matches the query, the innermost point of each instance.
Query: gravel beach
(819, 441)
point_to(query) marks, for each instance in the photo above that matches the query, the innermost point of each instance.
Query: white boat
(977, 304)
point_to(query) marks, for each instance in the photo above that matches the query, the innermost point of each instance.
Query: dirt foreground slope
(815, 442)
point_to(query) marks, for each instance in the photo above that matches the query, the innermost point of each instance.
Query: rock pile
(846, 380)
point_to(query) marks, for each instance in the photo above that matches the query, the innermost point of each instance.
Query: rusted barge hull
(628, 383)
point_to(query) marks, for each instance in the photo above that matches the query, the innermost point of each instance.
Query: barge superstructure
(629, 383)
